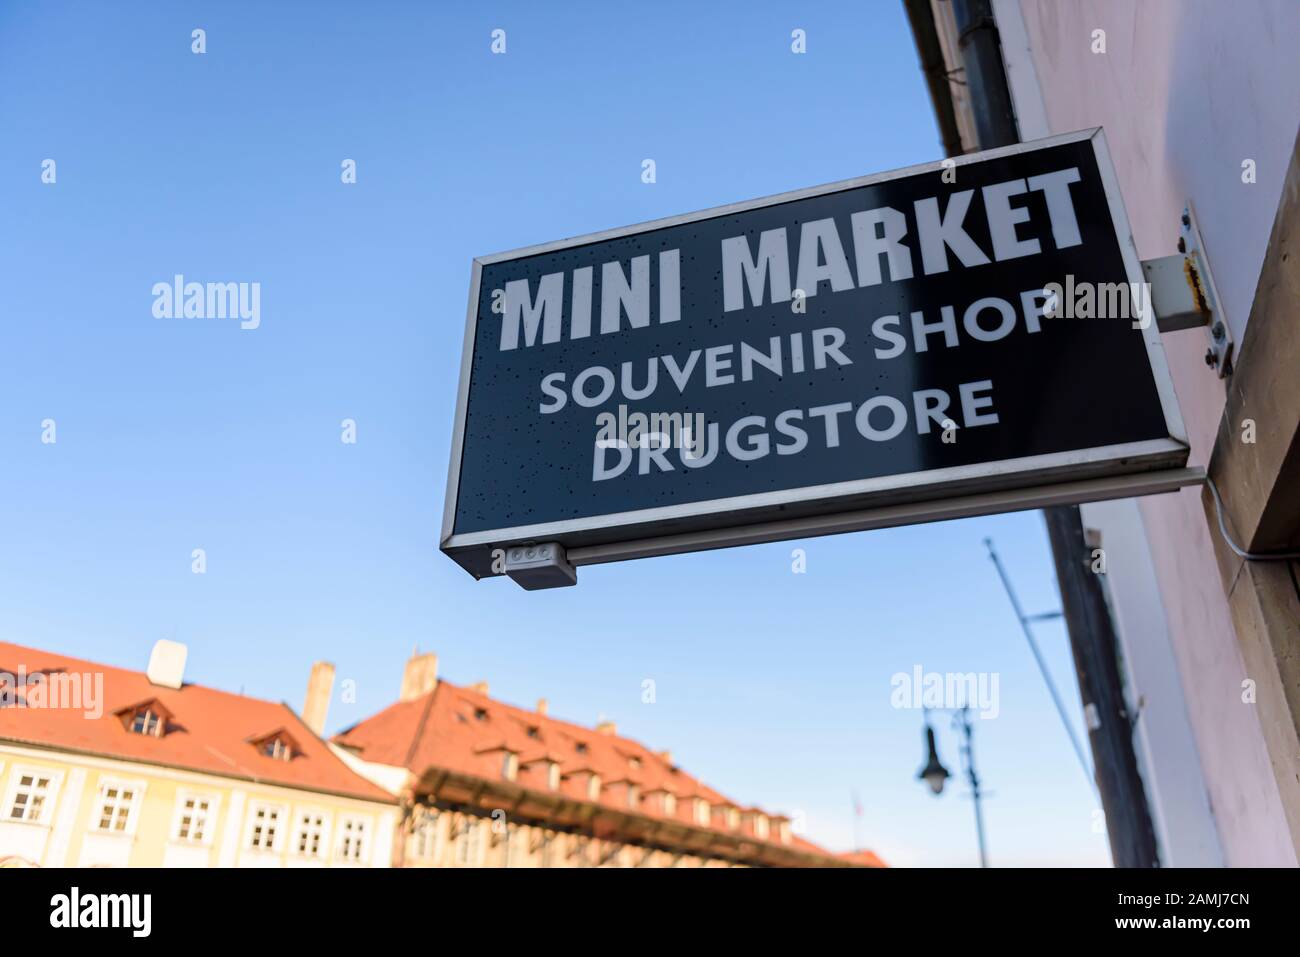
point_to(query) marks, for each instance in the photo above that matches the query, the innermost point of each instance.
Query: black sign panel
(959, 328)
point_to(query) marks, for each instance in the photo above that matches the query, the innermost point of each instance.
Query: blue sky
(174, 435)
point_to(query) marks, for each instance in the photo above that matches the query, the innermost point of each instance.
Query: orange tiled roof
(209, 731)
(459, 729)
(865, 858)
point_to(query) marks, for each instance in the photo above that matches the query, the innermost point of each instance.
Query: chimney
(167, 664)
(319, 688)
(607, 727)
(420, 676)
(541, 706)
(480, 686)
(667, 757)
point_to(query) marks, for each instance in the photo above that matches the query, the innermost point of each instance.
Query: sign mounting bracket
(1183, 294)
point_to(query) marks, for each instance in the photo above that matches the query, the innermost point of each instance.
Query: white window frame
(282, 824)
(277, 748)
(154, 731)
(48, 799)
(470, 842)
(363, 831)
(326, 828)
(430, 823)
(107, 782)
(209, 818)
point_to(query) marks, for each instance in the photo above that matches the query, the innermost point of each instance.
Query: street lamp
(935, 774)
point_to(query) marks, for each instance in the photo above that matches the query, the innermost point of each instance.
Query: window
(760, 827)
(670, 804)
(580, 747)
(480, 714)
(146, 721)
(277, 745)
(581, 849)
(701, 812)
(426, 836)
(116, 802)
(31, 795)
(264, 827)
(533, 731)
(469, 843)
(352, 839)
(148, 717)
(633, 795)
(732, 817)
(510, 766)
(634, 763)
(553, 776)
(593, 787)
(194, 820)
(310, 834)
(515, 839)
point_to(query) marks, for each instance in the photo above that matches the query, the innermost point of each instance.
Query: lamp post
(935, 774)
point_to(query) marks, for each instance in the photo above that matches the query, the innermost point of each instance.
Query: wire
(1042, 665)
(1237, 549)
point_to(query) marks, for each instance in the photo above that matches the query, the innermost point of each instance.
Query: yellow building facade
(158, 773)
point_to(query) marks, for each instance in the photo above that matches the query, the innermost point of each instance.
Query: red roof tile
(208, 730)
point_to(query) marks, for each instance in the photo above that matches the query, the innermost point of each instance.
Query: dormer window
(146, 721)
(480, 714)
(146, 717)
(701, 812)
(580, 747)
(278, 746)
(534, 732)
(634, 763)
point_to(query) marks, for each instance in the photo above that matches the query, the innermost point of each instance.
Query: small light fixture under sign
(540, 566)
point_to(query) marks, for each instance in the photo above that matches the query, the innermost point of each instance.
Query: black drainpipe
(1087, 614)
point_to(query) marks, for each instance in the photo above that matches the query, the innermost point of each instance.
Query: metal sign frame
(1150, 466)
